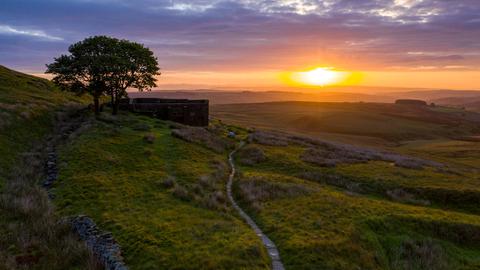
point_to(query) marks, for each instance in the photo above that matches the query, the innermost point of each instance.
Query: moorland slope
(32, 236)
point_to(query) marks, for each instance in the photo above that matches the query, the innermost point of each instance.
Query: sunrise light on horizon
(388, 43)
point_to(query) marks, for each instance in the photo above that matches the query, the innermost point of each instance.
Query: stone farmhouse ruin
(184, 111)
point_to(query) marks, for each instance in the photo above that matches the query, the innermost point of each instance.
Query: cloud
(214, 35)
(9, 30)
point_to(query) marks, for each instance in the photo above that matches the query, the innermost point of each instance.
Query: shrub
(329, 154)
(409, 164)
(202, 136)
(168, 182)
(316, 157)
(268, 138)
(181, 193)
(401, 195)
(206, 181)
(420, 254)
(149, 138)
(219, 196)
(339, 181)
(220, 169)
(141, 127)
(251, 155)
(257, 190)
(108, 118)
(148, 152)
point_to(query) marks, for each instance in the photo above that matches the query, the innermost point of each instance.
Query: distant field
(364, 123)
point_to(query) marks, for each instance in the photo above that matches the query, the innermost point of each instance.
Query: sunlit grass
(111, 174)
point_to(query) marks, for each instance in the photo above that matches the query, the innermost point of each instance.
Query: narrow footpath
(269, 245)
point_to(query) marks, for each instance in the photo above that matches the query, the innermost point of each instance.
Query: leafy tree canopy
(104, 65)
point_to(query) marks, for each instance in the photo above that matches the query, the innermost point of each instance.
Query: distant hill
(231, 97)
(370, 123)
(436, 94)
(330, 94)
(471, 103)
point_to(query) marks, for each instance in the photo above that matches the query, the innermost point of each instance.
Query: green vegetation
(461, 154)
(163, 198)
(338, 223)
(31, 235)
(337, 211)
(27, 106)
(366, 215)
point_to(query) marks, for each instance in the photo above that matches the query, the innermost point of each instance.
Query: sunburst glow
(320, 76)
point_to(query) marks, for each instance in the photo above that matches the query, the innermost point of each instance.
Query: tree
(103, 65)
(132, 66)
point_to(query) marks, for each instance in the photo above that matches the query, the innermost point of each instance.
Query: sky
(253, 43)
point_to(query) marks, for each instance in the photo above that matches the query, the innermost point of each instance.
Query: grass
(461, 154)
(163, 201)
(32, 235)
(363, 215)
(27, 107)
(332, 229)
(445, 187)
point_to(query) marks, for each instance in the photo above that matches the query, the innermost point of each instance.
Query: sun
(320, 76)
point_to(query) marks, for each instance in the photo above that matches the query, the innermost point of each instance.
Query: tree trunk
(118, 94)
(96, 105)
(114, 102)
(115, 106)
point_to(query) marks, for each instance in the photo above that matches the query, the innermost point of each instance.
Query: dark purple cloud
(248, 34)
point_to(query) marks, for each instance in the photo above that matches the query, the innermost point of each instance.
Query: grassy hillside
(27, 105)
(360, 215)
(369, 123)
(160, 189)
(163, 198)
(32, 236)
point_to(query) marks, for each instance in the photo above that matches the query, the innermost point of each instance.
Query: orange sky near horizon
(455, 80)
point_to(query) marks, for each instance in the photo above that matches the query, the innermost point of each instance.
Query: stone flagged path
(269, 245)
(101, 243)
